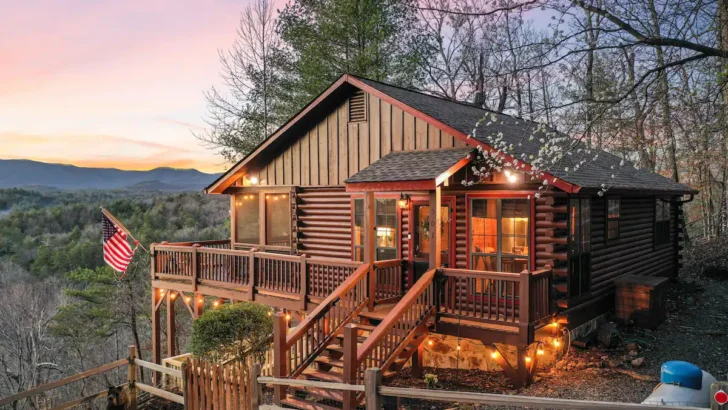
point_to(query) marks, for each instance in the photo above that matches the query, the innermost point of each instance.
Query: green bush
(232, 331)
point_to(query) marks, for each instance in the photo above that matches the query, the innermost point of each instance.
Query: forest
(64, 309)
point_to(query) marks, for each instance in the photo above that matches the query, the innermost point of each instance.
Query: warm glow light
(288, 317)
(556, 342)
(270, 313)
(188, 299)
(200, 300)
(539, 352)
(253, 180)
(173, 296)
(283, 196)
(216, 303)
(528, 359)
(161, 291)
(494, 354)
(267, 197)
(429, 342)
(555, 324)
(458, 347)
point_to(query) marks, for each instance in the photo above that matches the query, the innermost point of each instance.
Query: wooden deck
(481, 301)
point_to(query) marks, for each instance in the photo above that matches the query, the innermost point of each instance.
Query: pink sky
(110, 83)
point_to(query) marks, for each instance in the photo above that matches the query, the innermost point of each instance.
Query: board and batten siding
(334, 149)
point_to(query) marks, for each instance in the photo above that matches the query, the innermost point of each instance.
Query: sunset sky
(110, 83)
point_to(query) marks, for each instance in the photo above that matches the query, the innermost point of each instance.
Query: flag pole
(113, 219)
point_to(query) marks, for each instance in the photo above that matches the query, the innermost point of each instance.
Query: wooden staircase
(384, 335)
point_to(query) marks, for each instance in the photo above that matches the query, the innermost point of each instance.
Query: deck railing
(292, 277)
(389, 280)
(496, 297)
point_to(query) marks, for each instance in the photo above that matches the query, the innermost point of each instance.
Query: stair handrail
(423, 287)
(359, 277)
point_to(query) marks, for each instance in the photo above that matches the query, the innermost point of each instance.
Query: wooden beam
(435, 231)
(171, 325)
(161, 393)
(369, 239)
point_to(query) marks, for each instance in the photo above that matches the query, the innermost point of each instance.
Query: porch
(494, 307)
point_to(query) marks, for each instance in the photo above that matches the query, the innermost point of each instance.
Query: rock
(560, 364)
(581, 366)
(633, 353)
(631, 347)
(608, 335)
(638, 362)
(614, 363)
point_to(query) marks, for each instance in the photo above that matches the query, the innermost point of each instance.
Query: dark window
(580, 246)
(613, 219)
(662, 221)
(358, 229)
(277, 220)
(499, 232)
(247, 219)
(386, 228)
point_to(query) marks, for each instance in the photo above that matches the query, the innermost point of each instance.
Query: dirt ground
(696, 331)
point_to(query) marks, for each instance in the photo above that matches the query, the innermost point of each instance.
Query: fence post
(351, 335)
(372, 381)
(524, 300)
(280, 364)
(304, 282)
(255, 389)
(131, 377)
(183, 370)
(715, 388)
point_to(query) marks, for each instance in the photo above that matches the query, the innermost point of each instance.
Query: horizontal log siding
(323, 222)
(461, 233)
(550, 241)
(634, 252)
(333, 149)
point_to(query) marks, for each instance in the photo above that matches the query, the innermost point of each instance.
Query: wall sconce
(253, 180)
(403, 201)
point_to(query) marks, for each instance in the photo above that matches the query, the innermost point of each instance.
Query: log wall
(334, 148)
(323, 222)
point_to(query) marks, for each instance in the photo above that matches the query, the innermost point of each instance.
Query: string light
(288, 316)
(216, 303)
(556, 342)
(270, 313)
(200, 300)
(188, 299)
(539, 352)
(555, 324)
(430, 342)
(494, 354)
(161, 291)
(528, 359)
(458, 347)
(173, 296)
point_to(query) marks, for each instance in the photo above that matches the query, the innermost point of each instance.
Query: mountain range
(19, 173)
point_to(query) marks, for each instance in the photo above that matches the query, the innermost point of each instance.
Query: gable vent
(358, 107)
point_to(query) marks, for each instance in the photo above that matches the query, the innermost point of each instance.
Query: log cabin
(353, 218)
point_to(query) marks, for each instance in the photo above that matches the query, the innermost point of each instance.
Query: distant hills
(33, 174)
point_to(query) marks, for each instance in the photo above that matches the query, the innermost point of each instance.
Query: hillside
(26, 173)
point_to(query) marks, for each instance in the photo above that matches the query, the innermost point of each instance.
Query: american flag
(117, 251)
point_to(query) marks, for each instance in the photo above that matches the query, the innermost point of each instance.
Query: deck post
(183, 370)
(156, 333)
(351, 334)
(280, 363)
(523, 369)
(372, 382)
(195, 270)
(251, 275)
(524, 307)
(198, 304)
(435, 219)
(304, 282)
(171, 325)
(131, 377)
(418, 361)
(369, 239)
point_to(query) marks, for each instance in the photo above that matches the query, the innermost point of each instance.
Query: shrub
(431, 380)
(707, 258)
(232, 331)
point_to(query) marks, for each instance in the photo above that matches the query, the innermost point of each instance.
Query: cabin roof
(460, 120)
(411, 165)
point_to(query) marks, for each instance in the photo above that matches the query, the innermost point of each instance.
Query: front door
(422, 228)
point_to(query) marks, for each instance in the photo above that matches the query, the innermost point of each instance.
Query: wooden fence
(211, 386)
(375, 395)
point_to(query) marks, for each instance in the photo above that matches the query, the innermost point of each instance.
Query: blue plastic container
(682, 374)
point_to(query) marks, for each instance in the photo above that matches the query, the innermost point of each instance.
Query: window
(358, 230)
(277, 220)
(580, 246)
(662, 221)
(386, 227)
(247, 219)
(499, 234)
(385, 242)
(612, 219)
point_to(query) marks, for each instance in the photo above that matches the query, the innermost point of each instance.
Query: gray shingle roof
(516, 131)
(410, 165)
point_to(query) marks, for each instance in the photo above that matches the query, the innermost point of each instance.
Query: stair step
(329, 361)
(305, 405)
(322, 393)
(324, 376)
(368, 328)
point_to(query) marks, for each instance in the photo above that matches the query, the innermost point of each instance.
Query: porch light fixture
(253, 180)
(403, 201)
(512, 176)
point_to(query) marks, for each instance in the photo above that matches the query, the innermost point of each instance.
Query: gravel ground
(696, 331)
